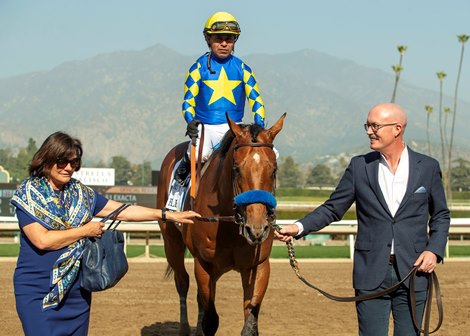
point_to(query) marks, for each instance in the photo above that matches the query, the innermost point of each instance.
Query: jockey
(216, 83)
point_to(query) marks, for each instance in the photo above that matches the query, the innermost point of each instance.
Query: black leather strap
(164, 215)
(113, 215)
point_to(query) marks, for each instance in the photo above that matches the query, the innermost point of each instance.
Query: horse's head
(254, 178)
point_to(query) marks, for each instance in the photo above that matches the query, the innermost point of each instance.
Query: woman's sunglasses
(63, 162)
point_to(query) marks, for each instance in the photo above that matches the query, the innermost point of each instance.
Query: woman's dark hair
(58, 145)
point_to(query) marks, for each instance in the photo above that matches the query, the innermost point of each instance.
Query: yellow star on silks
(223, 87)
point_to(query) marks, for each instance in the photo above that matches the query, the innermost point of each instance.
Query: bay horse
(236, 202)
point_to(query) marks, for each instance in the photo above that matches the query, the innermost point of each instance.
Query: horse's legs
(206, 297)
(200, 316)
(174, 250)
(255, 283)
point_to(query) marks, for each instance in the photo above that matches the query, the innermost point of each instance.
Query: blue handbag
(104, 262)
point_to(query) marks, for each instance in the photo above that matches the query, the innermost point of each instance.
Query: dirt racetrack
(145, 304)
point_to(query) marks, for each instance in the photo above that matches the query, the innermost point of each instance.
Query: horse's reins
(433, 283)
(195, 178)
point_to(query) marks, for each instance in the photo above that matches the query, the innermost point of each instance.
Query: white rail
(458, 226)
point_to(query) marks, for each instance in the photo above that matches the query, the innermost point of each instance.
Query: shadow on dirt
(167, 328)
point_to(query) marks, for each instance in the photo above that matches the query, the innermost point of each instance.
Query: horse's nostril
(257, 235)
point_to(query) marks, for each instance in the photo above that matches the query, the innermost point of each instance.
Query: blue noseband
(256, 196)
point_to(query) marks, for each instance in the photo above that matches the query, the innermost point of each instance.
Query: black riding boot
(183, 170)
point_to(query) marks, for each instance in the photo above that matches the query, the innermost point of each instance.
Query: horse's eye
(274, 173)
(236, 170)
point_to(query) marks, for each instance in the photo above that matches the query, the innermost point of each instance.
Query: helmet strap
(209, 63)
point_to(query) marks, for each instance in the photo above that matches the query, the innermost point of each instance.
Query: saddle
(178, 192)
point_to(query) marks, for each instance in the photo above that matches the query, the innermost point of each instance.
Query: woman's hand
(93, 229)
(45, 239)
(182, 217)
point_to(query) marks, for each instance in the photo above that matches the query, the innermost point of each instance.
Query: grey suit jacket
(424, 205)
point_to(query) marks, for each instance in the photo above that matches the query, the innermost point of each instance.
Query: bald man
(399, 195)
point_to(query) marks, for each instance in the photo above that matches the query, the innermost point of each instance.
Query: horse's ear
(276, 128)
(234, 127)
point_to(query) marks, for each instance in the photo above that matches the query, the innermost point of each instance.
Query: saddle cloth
(176, 192)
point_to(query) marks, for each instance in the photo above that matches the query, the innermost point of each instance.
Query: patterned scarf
(71, 208)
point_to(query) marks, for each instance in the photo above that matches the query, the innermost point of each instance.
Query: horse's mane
(254, 130)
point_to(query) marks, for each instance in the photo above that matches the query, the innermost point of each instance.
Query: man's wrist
(300, 227)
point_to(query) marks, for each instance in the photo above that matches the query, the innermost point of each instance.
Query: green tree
(320, 176)
(429, 110)
(398, 69)
(23, 159)
(461, 175)
(343, 164)
(462, 39)
(142, 174)
(31, 149)
(123, 170)
(18, 165)
(289, 173)
(5, 157)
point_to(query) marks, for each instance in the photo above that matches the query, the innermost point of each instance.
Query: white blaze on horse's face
(256, 157)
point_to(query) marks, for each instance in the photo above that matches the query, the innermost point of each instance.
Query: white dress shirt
(393, 186)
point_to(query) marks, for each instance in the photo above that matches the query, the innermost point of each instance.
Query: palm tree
(441, 75)
(462, 39)
(429, 110)
(447, 111)
(398, 69)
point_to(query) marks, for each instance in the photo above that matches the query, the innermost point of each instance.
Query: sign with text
(145, 196)
(6, 193)
(95, 176)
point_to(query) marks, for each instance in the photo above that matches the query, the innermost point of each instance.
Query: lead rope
(433, 283)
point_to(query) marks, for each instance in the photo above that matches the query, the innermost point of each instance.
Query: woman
(55, 214)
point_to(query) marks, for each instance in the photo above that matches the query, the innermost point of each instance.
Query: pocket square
(420, 190)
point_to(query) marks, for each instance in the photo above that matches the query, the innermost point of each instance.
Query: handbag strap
(113, 215)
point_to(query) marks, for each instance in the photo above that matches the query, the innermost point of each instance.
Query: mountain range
(129, 103)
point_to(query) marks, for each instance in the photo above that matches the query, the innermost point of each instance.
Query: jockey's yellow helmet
(222, 23)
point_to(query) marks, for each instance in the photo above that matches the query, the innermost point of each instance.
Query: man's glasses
(63, 162)
(376, 127)
(225, 26)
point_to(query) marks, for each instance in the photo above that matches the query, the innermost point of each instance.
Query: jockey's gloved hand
(191, 129)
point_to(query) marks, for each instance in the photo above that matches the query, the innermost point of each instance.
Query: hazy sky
(41, 34)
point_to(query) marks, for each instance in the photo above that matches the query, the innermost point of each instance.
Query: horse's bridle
(238, 215)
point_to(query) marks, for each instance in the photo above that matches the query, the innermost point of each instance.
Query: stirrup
(182, 172)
